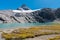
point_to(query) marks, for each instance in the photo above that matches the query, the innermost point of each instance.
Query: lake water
(13, 25)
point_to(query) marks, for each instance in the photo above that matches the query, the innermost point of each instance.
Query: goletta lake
(14, 25)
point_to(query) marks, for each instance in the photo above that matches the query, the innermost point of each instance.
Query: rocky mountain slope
(24, 14)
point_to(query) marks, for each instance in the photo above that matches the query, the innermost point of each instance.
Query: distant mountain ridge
(24, 14)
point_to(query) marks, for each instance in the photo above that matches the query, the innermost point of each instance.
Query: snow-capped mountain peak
(25, 15)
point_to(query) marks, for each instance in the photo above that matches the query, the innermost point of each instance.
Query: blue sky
(33, 4)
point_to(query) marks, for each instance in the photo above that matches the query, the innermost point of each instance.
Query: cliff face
(26, 15)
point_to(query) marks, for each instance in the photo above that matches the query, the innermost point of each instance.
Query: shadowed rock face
(57, 13)
(47, 14)
(2, 19)
(41, 16)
